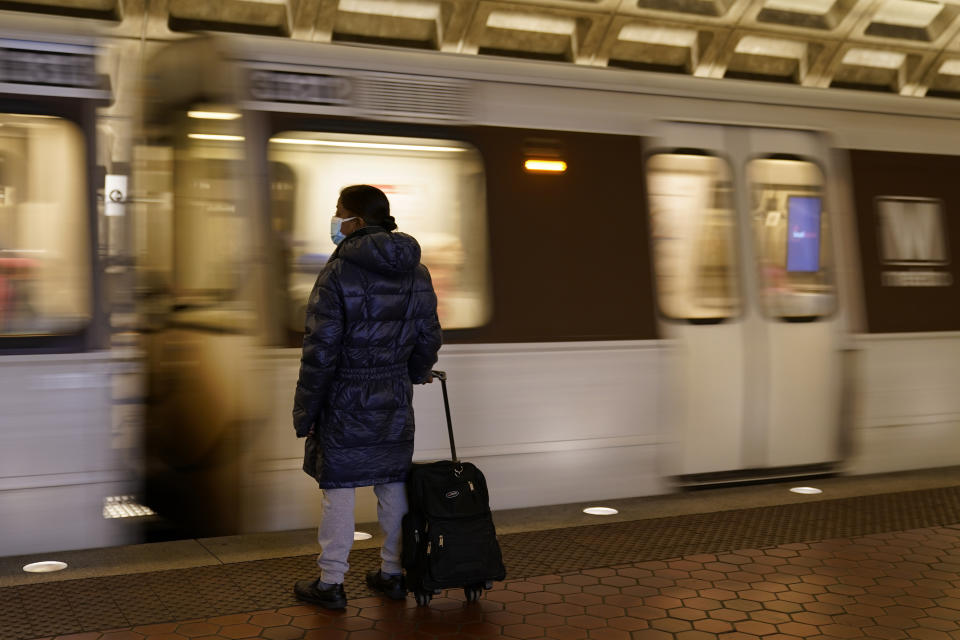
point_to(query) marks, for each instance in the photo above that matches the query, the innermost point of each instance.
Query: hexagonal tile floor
(869, 583)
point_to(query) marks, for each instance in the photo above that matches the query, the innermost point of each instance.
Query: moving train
(647, 281)
(65, 447)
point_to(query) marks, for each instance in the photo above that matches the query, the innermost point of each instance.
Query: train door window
(193, 239)
(791, 233)
(693, 226)
(436, 190)
(45, 261)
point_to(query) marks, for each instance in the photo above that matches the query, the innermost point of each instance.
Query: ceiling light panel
(874, 58)
(658, 35)
(714, 8)
(411, 23)
(808, 14)
(813, 7)
(907, 13)
(103, 9)
(549, 34)
(871, 69)
(393, 8)
(641, 45)
(268, 17)
(536, 23)
(950, 68)
(946, 81)
(911, 20)
(771, 47)
(773, 59)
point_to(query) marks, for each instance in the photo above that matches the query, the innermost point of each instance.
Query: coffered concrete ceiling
(910, 47)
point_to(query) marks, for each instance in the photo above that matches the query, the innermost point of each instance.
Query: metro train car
(646, 281)
(61, 462)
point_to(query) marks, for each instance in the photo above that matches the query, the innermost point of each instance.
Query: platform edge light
(601, 511)
(809, 491)
(45, 566)
(537, 165)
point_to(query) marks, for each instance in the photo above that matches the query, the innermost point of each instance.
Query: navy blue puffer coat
(371, 332)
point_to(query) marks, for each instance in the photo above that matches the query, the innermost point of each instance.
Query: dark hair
(369, 203)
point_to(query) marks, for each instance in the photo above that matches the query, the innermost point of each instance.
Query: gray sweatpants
(335, 533)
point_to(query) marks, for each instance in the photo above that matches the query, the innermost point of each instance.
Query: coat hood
(378, 250)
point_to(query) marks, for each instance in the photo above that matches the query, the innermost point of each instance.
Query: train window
(193, 238)
(692, 221)
(45, 261)
(436, 190)
(791, 233)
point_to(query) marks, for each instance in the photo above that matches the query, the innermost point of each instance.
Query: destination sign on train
(282, 86)
(24, 66)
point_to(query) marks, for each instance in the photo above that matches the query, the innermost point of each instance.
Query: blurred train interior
(649, 281)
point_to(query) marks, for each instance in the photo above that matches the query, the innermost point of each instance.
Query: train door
(199, 287)
(60, 460)
(745, 287)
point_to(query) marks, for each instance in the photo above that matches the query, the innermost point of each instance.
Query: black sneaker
(331, 597)
(390, 586)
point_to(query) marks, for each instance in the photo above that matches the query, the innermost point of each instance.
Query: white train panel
(58, 457)
(547, 423)
(908, 410)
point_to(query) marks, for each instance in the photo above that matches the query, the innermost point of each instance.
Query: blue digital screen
(803, 234)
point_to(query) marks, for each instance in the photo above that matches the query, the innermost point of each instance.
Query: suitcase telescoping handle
(442, 375)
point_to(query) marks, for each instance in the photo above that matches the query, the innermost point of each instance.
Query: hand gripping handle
(442, 375)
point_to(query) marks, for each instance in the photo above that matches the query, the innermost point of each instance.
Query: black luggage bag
(449, 540)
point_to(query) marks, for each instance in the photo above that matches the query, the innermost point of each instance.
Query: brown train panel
(904, 309)
(569, 253)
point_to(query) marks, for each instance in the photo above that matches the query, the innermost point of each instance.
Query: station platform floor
(870, 557)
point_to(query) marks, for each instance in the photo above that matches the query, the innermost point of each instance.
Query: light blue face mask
(335, 234)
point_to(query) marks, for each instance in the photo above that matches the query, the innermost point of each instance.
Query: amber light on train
(545, 166)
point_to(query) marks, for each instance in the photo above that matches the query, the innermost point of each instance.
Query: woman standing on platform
(371, 333)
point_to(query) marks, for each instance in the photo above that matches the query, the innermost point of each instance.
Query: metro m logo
(911, 231)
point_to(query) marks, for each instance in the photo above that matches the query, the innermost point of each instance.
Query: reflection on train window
(436, 190)
(45, 267)
(193, 239)
(692, 221)
(790, 228)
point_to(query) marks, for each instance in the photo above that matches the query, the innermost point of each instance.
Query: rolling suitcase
(449, 540)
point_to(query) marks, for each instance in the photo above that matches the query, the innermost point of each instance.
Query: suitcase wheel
(423, 597)
(473, 592)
